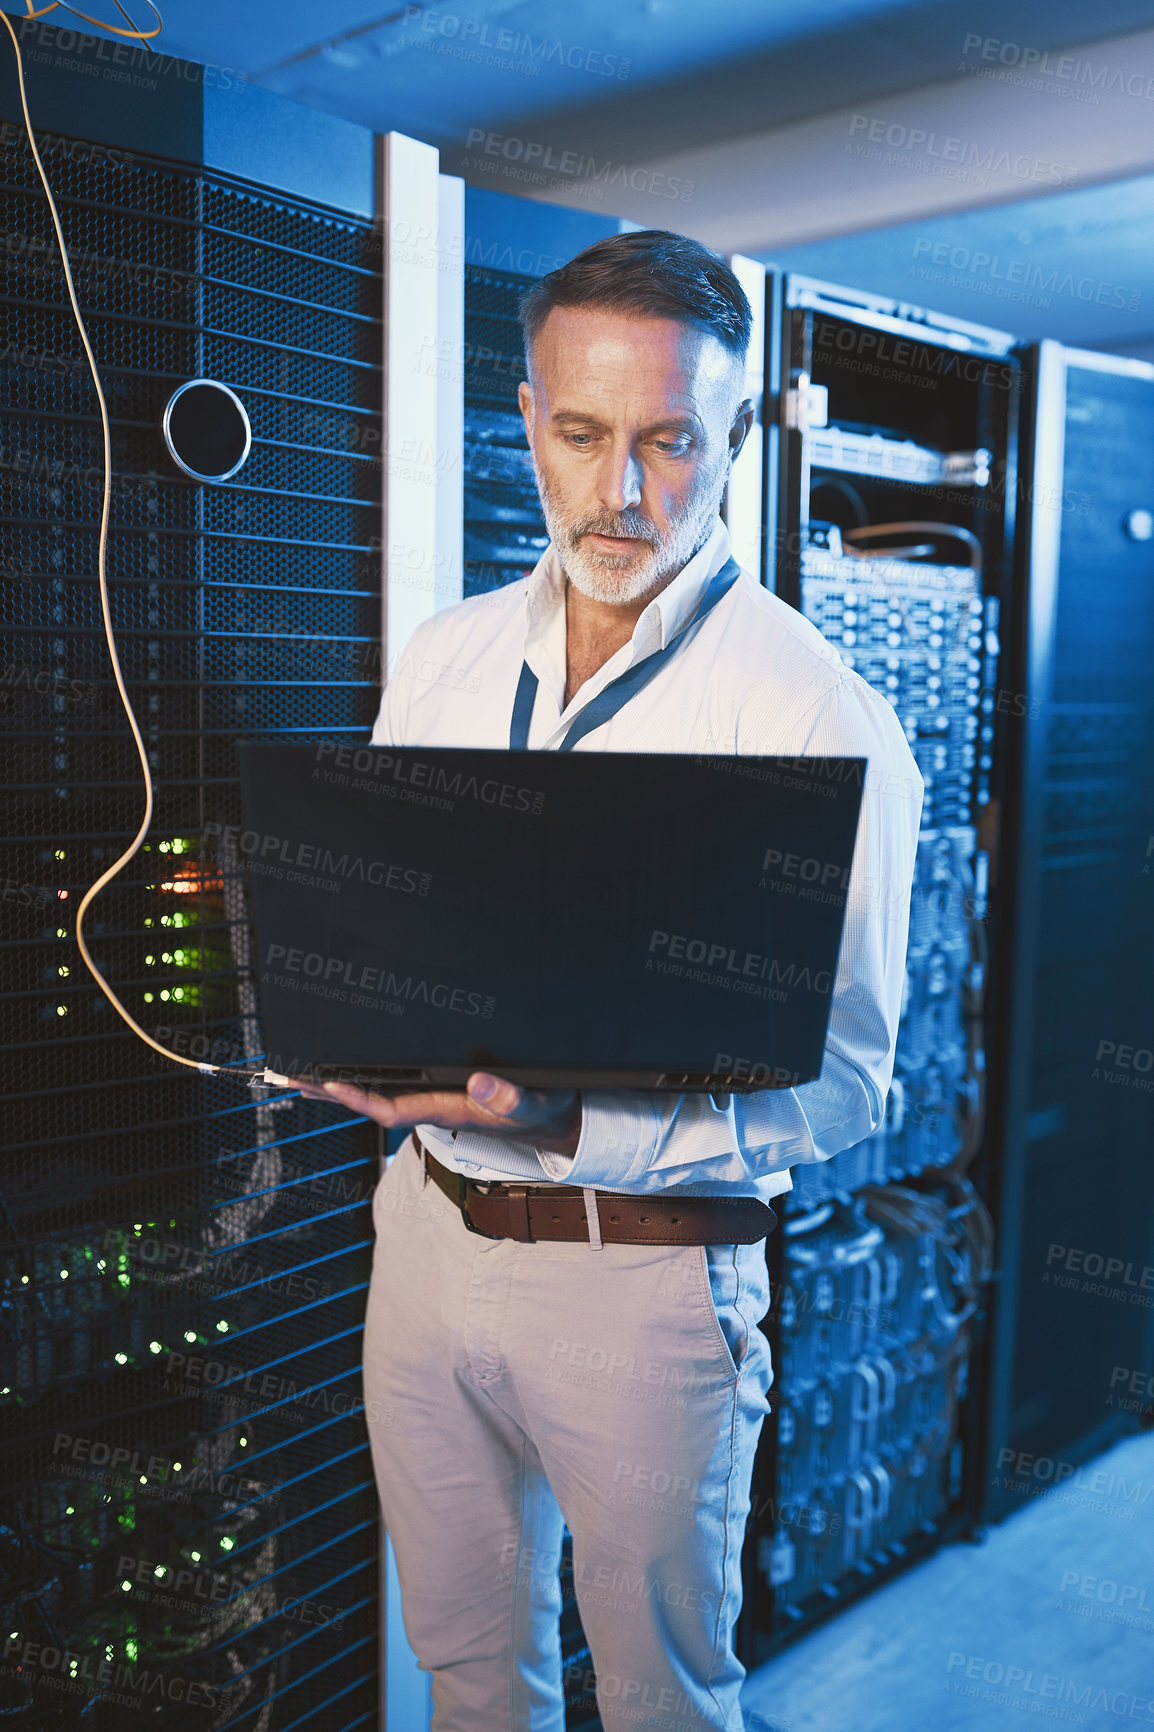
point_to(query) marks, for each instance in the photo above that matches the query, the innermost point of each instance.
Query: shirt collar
(666, 613)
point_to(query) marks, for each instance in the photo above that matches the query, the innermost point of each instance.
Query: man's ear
(743, 417)
(525, 404)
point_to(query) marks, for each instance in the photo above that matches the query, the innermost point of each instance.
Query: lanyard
(618, 692)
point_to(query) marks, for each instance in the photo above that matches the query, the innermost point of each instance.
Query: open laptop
(564, 919)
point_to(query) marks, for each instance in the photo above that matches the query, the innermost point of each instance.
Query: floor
(1050, 1619)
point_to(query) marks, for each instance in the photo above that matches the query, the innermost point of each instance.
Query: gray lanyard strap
(618, 692)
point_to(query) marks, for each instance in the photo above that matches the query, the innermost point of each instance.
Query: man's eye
(581, 440)
(673, 447)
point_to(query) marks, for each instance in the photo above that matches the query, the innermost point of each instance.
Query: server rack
(505, 532)
(1073, 1123)
(891, 510)
(190, 1528)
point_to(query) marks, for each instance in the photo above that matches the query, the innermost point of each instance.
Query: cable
(134, 33)
(915, 526)
(255, 1078)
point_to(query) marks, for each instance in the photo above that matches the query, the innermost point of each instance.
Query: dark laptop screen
(578, 914)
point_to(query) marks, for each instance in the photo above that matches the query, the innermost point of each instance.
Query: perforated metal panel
(189, 1531)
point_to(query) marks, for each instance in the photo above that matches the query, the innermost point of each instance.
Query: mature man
(513, 1386)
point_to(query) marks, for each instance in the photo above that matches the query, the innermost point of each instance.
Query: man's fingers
(488, 1103)
(495, 1095)
(452, 1110)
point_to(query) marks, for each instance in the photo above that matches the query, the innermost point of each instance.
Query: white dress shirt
(753, 677)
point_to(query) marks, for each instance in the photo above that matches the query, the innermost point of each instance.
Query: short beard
(616, 578)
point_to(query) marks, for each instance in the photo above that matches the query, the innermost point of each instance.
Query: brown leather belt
(531, 1212)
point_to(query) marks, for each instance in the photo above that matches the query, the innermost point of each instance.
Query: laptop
(563, 919)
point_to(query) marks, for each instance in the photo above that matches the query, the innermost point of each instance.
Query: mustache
(626, 523)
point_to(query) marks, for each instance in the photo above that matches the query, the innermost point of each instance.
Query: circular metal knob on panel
(206, 429)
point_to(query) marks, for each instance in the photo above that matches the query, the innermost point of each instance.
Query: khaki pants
(514, 1389)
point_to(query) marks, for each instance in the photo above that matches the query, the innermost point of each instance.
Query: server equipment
(891, 491)
(189, 1527)
(1073, 1122)
(505, 532)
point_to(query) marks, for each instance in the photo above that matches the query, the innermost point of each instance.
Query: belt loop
(593, 1218)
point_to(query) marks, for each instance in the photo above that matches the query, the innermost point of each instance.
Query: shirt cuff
(620, 1135)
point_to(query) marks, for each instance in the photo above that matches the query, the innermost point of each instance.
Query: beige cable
(133, 848)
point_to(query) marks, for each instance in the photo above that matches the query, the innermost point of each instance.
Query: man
(514, 1387)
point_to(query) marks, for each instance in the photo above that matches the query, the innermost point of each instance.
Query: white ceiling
(756, 107)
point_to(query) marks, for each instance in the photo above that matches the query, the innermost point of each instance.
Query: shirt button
(469, 1166)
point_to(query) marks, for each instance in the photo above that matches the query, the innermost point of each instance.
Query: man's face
(631, 424)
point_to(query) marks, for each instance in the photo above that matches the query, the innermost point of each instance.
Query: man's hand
(548, 1118)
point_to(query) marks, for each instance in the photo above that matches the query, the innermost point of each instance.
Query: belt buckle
(462, 1193)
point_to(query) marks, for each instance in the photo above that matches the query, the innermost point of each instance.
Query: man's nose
(620, 481)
